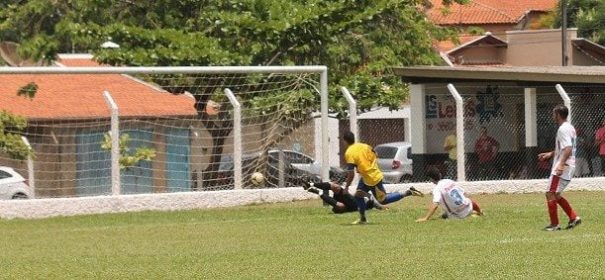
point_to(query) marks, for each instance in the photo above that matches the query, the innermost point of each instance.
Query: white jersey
(566, 137)
(451, 197)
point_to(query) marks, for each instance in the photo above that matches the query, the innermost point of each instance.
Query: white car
(306, 164)
(394, 161)
(299, 161)
(13, 185)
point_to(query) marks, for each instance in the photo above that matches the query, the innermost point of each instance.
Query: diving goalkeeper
(343, 201)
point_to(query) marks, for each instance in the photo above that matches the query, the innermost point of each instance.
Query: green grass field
(303, 240)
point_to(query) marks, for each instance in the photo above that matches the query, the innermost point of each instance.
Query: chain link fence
(498, 145)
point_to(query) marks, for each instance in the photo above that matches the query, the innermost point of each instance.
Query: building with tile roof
(521, 48)
(495, 16)
(61, 96)
(68, 118)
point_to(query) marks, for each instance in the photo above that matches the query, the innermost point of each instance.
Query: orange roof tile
(77, 96)
(487, 11)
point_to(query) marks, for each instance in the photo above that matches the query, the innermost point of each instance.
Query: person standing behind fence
(600, 143)
(486, 148)
(582, 157)
(449, 146)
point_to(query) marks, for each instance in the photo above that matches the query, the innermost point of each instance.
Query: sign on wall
(484, 108)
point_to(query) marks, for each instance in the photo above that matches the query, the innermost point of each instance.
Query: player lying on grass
(450, 197)
(342, 201)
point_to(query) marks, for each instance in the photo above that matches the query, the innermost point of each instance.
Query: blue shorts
(378, 190)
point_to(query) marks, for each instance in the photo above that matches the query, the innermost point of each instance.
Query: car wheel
(19, 196)
(405, 179)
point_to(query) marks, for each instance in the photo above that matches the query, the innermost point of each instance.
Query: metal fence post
(459, 132)
(237, 139)
(352, 111)
(30, 168)
(566, 100)
(115, 144)
(325, 142)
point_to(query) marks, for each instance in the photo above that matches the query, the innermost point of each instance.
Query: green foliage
(28, 90)
(11, 127)
(358, 40)
(303, 240)
(475, 30)
(127, 158)
(10, 139)
(588, 16)
(546, 21)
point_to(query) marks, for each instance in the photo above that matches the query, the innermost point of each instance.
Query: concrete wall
(479, 55)
(578, 58)
(44, 208)
(539, 47)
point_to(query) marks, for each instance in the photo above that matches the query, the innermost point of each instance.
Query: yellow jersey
(363, 157)
(450, 140)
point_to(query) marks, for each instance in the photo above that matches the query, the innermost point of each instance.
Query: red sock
(567, 208)
(552, 212)
(476, 207)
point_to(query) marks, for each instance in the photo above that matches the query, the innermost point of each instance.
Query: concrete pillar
(531, 131)
(418, 129)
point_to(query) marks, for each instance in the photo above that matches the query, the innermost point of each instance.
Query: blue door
(177, 160)
(93, 166)
(138, 178)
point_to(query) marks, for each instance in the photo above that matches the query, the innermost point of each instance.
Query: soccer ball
(257, 178)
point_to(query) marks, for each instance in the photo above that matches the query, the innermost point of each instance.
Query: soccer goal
(133, 130)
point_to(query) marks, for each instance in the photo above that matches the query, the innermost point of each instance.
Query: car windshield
(4, 175)
(226, 163)
(292, 157)
(386, 151)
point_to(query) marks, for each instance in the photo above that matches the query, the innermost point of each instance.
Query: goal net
(176, 128)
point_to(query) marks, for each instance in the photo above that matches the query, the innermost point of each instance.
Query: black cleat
(314, 190)
(307, 185)
(415, 192)
(360, 221)
(552, 228)
(573, 223)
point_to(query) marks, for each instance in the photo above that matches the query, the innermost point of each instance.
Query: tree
(12, 126)
(10, 138)
(587, 15)
(359, 40)
(128, 158)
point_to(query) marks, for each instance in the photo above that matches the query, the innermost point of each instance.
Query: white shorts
(556, 184)
(462, 213)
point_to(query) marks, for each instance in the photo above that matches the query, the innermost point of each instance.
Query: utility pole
(564, 32)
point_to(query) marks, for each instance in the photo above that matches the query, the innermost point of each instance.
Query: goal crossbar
(164, 70)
